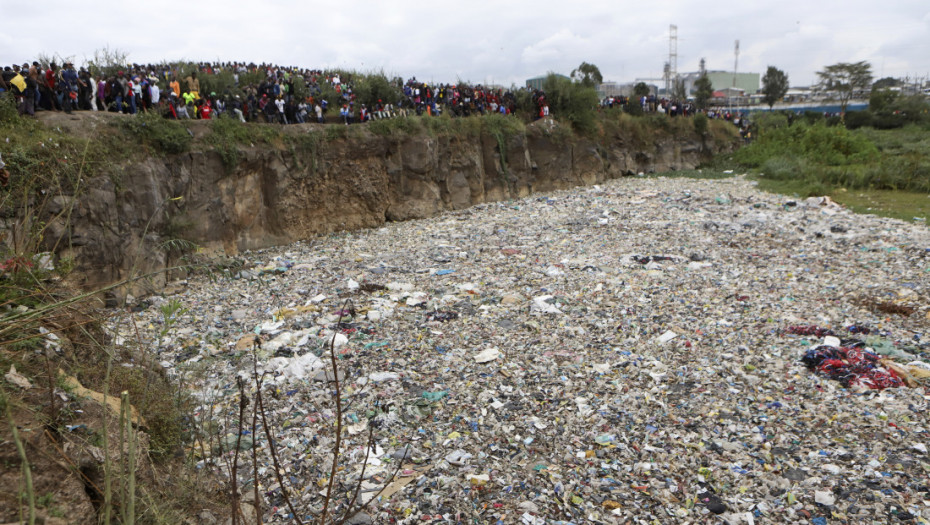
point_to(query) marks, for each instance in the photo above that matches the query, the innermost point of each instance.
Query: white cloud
(507, 41)
(553, 48)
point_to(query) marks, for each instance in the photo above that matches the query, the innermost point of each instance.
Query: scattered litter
(655, 351)
(824, 498)
(667, 336)
(17, 379)
(851, 366)
(488, 355)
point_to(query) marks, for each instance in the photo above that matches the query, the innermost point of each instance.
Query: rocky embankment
(119, 226)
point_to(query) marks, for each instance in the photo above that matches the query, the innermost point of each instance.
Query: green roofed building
(748, 82)
(537, 82)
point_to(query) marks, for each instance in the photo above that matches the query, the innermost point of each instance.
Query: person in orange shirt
(174, 85)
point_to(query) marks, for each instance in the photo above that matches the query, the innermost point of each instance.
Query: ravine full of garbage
(650, 350)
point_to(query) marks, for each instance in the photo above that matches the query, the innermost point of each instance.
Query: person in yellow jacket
(19, 83)
(13, 80)
(193, 84)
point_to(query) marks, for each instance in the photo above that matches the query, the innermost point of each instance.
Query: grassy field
(898, 204)
(903, 205)
(879, 171)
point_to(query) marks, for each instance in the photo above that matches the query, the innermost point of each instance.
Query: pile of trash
(851, 366)
(613, 354)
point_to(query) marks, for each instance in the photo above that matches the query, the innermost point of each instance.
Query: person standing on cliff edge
(193, 84)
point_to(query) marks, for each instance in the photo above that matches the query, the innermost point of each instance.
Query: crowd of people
(653, 104)
(271, 94)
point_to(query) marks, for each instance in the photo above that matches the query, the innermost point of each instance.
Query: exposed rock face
(274, 196)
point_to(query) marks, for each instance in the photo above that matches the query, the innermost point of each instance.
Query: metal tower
(673, 51)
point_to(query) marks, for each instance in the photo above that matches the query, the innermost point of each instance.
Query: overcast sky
(492, 42)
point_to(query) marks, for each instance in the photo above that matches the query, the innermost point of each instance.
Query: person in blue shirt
(68, 87)
(344, 114)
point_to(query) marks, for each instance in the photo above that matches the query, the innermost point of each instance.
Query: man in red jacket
(48, 87)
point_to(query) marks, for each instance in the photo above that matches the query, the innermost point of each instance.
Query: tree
(845, 79)
(703, 91)
(573, 101)
(881, 99)
(107, 61)
(774, 85)
(886, 82)
(588, 74)
(45, 59)
(371, 88)
(640, 90)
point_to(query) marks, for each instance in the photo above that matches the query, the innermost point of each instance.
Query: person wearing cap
(236, 106)
(122, 87)
(268, 109)
(137, 90)
(344, 114)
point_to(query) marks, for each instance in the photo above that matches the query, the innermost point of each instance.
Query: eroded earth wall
(271, 196)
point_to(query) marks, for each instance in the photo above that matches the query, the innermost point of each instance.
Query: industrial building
(537, 82)
(748, 83)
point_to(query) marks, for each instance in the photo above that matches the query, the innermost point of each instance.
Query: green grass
(41, 157)
(228, 129)
(161, 134)
(820, 158)
(903, 205)
(897, 204)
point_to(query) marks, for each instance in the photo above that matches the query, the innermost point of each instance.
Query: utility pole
(735, 69)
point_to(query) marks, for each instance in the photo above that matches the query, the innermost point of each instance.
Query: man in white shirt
(156, 93)
(279, 102)
(93, 95)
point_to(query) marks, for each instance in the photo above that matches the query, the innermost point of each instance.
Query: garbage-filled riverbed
(651, 350)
